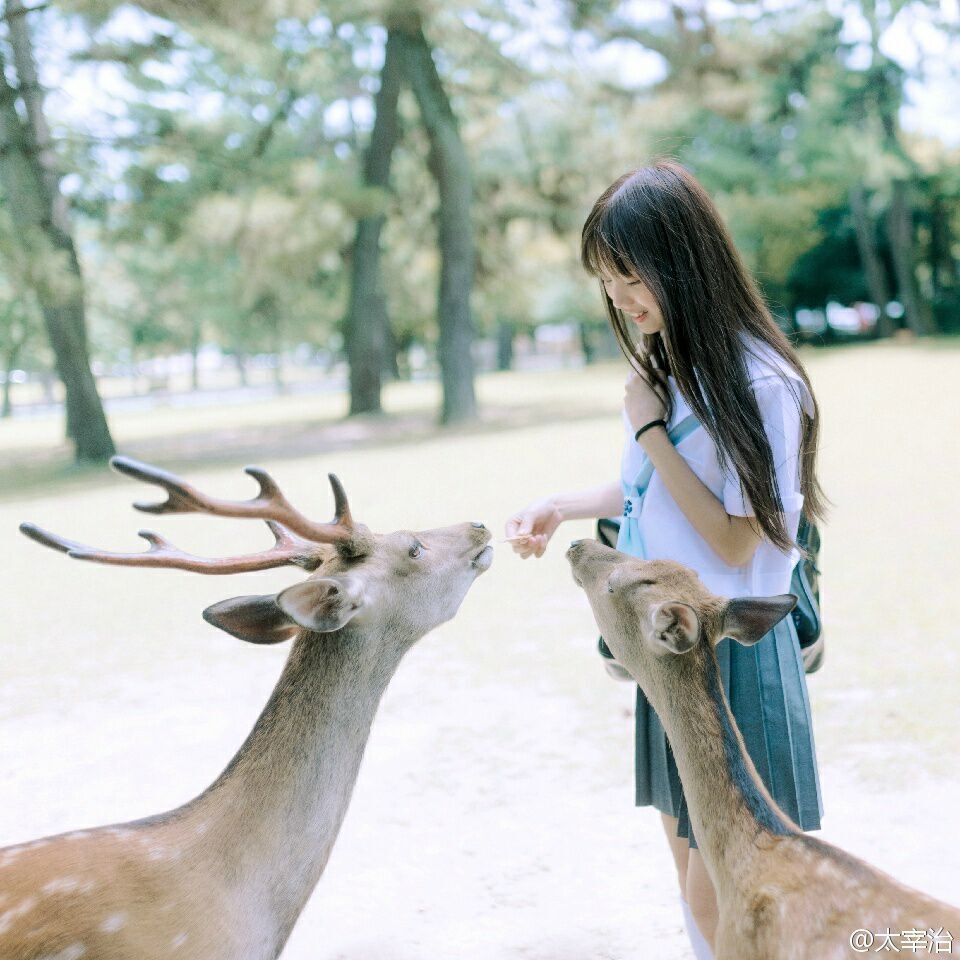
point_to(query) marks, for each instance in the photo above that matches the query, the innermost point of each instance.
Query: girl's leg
(679, 847)
(701, 896)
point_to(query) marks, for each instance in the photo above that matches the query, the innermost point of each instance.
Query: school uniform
(765, 683)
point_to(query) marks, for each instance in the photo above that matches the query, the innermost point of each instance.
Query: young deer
(227, 874)
(782, 894)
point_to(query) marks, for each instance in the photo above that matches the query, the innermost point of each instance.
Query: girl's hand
(530, 530)
(641, 401)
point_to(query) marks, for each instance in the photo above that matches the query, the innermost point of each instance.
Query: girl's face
(634, 300)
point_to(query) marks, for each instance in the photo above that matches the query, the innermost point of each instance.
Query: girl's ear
(749, 619)
(676, 627)
(254, 619)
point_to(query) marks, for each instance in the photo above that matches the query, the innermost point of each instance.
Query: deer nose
(574, 543)
(479, 526)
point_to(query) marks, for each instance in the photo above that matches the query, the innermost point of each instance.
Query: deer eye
(416, 550)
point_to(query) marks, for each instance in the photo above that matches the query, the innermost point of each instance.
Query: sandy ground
(493, 815)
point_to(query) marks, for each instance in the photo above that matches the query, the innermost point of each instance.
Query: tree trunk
(9, 362)
(450, 168)
(946, 269)
(195, 334)
(36, 207)
(6, 411)
(240, 359)
(279, 383)
(31, 93)
(47, 380)
(366, 321)
(391, 352)
(917, 310)
(586, 343)
(269, 312)
(505, 334)
(873, 269)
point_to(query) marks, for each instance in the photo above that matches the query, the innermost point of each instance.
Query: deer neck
(270, 820)
(729, 807)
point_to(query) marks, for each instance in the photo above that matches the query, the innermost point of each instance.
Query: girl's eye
(416, 549)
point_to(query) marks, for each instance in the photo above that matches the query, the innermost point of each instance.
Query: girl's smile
(626, 294)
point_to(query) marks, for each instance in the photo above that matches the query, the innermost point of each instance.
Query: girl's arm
(537, 522)
(734, 539)
(602, 501)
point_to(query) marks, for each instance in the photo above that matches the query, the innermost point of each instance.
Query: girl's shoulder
(773, 376)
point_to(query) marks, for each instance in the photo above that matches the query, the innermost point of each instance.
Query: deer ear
(254, 619)
(749, 619)
(323, 604)
(676, 626)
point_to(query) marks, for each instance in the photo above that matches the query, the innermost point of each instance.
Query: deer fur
(782, 894)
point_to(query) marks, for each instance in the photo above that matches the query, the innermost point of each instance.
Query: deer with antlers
(225, 876)
(782, 894)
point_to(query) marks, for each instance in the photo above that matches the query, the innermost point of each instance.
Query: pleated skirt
(767, 690)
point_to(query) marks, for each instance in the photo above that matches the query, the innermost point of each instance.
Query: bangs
(603, 248)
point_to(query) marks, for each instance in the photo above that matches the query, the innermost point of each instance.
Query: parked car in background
(854, 321)
(811, 324)
(838, 322)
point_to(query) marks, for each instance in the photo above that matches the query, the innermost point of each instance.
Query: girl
(708, 359)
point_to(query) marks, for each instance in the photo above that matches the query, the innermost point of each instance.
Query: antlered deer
(225, 876)
(782, 894)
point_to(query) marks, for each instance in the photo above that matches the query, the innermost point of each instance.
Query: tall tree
(873, 267)
(882, 96)
(37, 208)
(366, 324)
(450, 167)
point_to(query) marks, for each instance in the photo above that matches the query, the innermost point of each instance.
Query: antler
(288, 549)
(285, 522)
(269, 504)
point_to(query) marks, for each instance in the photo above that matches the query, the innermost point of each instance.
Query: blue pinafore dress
(764, 683)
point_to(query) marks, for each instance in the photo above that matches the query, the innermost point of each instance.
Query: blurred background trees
(379, 190)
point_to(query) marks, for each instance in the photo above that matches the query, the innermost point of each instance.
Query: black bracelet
(649, 426)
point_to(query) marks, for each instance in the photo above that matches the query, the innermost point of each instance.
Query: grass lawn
(493, 816)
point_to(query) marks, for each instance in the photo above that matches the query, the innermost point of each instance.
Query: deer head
(410, 582)
(654, 614)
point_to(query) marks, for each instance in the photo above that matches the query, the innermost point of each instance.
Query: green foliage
(218, 202)
(831, 269)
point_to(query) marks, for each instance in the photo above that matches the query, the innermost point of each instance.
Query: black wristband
(649, 426)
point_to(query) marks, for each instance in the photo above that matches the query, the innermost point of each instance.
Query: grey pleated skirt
(767, 690)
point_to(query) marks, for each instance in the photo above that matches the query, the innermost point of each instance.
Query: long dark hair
(659, 225)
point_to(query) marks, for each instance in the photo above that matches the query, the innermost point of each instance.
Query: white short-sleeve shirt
(665, 531)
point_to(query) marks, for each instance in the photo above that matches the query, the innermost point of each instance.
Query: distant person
(725, 500)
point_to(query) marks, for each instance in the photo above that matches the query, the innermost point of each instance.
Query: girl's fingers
(524, 547)
(518, 532)
(534, 546)
(520, 525)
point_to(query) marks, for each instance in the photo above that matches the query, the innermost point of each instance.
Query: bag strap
(677, 433)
